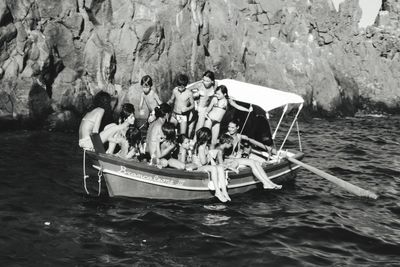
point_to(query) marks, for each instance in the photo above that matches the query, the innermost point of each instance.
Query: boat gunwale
(184, 174)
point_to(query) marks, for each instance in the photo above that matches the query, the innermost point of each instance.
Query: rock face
(74, 49)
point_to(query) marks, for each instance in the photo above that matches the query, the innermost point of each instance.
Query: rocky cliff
(56, 54)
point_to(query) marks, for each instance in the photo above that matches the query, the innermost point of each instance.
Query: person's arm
(212, 103)
(191, 103)
(256, 143)
(141, 101)
(235, 105)
(220, 157)
(202, 155)
(97, 122)
(166, 151)
(172, 99)
(157, 98)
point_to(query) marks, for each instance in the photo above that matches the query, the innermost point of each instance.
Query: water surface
(47, 219)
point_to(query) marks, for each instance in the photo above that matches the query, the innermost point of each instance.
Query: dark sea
(46, 218)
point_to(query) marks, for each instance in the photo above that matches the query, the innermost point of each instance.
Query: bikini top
(221, 103)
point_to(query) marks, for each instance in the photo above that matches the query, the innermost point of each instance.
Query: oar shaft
(345, 185)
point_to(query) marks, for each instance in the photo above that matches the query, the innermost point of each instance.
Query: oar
(345, 185)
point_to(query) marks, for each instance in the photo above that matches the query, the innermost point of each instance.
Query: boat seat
(97, 143)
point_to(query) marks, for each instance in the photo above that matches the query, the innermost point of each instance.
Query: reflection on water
(47, 219)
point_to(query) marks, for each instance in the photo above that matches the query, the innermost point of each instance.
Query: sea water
(46, 218)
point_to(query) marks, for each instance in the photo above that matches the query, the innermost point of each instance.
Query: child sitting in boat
(167, 148)
(92, 120)
(130, 145)
(154, 131)
(182, 100)
(148, 97)
(217, 109)
(184, 145)
(126, 120)
(201, 160)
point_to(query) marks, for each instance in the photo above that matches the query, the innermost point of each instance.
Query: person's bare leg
(174, 163)
(214, 134)
(183, 127)
(271, 185)
(208, 123)
(222, 182)
(256, 172)
(214, 178)
(200, 121)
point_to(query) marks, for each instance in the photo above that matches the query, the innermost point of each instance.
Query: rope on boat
(99, 174)
(241, 131)
(85, 176)
(298, 135)
(245, 121)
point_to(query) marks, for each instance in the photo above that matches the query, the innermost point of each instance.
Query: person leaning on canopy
(217, 109)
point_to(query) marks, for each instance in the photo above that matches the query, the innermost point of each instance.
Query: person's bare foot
(272, 185)
(221, 197)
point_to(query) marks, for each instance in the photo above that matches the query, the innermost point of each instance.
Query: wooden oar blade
(339, 182)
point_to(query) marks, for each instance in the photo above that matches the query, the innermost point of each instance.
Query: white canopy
(266, 98)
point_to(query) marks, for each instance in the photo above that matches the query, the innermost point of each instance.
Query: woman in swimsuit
(217, 109)
(236, 156)
(92, 120)
(203, 91)
(202, 161)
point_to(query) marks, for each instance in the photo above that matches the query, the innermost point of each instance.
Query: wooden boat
(129, 178)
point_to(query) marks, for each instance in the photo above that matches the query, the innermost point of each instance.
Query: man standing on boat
(183, 103)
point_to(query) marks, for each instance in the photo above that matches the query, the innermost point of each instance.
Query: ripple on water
(309, 223)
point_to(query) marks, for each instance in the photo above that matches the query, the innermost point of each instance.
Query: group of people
(182, 133)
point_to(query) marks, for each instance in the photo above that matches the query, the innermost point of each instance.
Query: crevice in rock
(7, 19)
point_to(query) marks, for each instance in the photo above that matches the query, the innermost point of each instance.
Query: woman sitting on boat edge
(202, 162)
(236, 156)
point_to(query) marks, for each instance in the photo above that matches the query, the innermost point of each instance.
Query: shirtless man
(183, 102)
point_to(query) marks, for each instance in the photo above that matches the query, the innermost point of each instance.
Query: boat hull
(134, 179)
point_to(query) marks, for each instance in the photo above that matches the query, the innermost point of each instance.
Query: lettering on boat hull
(151, 178)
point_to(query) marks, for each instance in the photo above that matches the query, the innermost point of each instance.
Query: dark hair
(162, 110)
(223, 89)
(146, 80)
(236, 121)
(225, 139)
(209, 74)
(126, 110)
(203, 136)
(182, 80)
(180, 138)
(133, 135)
(102, 100)
(168, 130)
